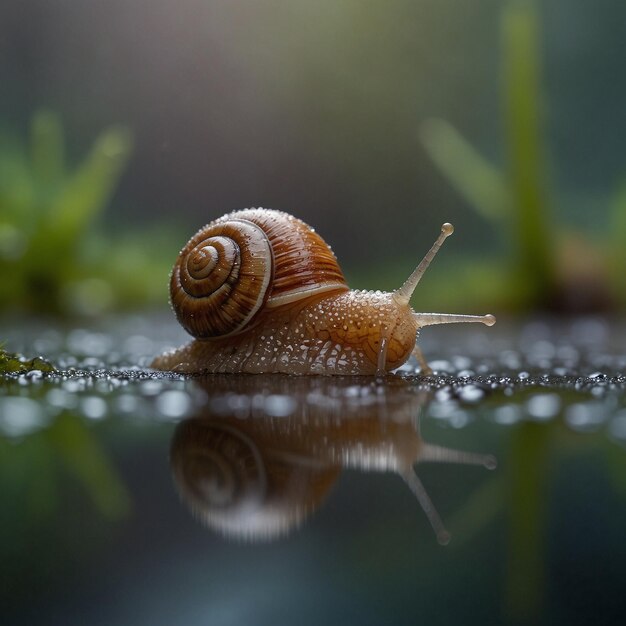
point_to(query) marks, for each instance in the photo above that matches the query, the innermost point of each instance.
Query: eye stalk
(430, 319)
(403, 294)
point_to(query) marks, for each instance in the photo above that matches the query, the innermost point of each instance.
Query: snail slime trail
(260, 291)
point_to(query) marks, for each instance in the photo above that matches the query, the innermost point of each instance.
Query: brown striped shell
(243, 261)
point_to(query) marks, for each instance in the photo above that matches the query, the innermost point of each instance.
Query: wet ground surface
(105, 369)
(140, 497)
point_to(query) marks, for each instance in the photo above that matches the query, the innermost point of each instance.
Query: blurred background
(125, 126)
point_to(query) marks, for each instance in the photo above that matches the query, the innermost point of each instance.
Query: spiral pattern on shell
(247, 478)
(221, 278)
(218, 470)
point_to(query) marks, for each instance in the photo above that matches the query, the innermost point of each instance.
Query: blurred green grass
(60, 254)
(55, 254)
(549, 266)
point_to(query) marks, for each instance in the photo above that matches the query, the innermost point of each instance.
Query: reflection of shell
(236, 488)
(219, 468)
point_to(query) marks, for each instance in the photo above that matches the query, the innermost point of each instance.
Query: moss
(16, 364)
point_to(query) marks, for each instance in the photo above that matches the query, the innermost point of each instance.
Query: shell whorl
(303, 263)
(221, 278)
(244, 260)
(237, 477)
(218, 469)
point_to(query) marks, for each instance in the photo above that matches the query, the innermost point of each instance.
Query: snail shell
(238, 263)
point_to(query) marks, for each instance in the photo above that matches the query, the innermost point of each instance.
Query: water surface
(134, 497)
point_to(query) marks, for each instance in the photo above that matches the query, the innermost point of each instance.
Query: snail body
(262, 292)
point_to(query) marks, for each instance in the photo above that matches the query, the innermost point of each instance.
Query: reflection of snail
(239, 487)
(257, 460)
(262, 292)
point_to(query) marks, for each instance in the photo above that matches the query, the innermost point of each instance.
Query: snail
(262, 292)
(262, 455)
